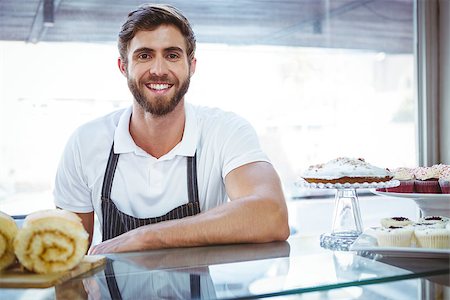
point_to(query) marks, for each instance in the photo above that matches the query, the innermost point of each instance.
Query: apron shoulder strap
(192, 179)
(109, 174)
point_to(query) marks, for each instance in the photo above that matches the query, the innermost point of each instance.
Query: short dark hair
(150, 16)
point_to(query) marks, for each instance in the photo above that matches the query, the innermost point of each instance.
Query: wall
(444, 82)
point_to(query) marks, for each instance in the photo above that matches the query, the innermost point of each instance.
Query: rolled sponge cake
(8, 230)
(51, 241)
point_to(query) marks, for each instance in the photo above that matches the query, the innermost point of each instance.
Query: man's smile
(159, 86)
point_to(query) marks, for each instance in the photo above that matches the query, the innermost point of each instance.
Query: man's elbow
(279, 222)
(283, 231)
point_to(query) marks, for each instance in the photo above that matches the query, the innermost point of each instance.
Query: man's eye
(144, 56)
(173, 56)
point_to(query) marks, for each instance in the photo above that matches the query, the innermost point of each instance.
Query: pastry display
(346, 170)
(428, 232)
(51, 241)
(421, 180)
(8, 230)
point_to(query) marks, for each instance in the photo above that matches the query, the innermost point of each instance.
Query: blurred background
(318, 79)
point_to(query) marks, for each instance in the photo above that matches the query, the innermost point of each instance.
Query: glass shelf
(235, 271)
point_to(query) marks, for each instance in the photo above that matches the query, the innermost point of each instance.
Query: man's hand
(128, 241)
(109, 246)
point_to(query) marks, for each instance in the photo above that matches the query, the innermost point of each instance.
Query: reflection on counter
(134, 282)
(298, 267)
(153, 275)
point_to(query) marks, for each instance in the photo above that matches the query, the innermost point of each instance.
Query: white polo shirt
(144, 186)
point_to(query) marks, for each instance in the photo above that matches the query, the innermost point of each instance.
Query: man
(178, 163)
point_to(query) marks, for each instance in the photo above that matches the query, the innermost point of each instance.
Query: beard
(160, 106)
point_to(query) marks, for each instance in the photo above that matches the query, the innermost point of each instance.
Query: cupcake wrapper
(445, 186)
(427, 186)
(406, 186)
(433, 241)
(400, 239)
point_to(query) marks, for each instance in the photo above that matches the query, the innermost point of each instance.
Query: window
(317, 79)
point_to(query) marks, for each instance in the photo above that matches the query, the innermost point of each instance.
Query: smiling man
(164, 173)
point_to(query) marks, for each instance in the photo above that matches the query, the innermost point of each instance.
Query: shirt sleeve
(240, 145)
(71, 190)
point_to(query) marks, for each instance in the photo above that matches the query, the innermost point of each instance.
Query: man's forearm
(239, 221)
(248, 220)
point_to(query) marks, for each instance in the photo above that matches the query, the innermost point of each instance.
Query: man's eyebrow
(143, 49)
(178, 49)
(168, 49)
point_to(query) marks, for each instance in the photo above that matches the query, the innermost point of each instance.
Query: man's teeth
(159, 86)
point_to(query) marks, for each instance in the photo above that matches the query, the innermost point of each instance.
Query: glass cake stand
(347, 224)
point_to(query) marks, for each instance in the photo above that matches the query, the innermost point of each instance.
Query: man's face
(158, 70)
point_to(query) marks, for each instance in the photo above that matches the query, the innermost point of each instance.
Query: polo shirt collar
(188, 144)
(124, 143)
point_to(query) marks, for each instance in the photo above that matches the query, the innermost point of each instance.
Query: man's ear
(193, 65)
(122, 66)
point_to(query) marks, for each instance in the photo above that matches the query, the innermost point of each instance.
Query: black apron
(116, 222)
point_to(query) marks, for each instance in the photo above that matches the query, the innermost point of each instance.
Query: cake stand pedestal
(347, 223)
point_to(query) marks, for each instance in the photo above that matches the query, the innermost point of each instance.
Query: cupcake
(406, 178)
(440, 168)
(432, 238)
(422, 225)
(444, 180)
(394, 236)
(427, 180)
(395, 222)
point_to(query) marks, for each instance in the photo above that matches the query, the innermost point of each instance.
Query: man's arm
(88, 222)
(87, 219)
(256, 213)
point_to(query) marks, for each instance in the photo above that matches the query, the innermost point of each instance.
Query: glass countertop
(235, 271)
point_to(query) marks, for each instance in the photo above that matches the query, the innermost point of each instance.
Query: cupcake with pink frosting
(427, 180)
(406, 178)
(444, 180)
(440, 168)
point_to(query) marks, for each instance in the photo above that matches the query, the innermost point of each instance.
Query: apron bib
(116, 222)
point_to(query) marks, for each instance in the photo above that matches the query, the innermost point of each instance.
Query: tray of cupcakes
(399, 236)
(429, 187)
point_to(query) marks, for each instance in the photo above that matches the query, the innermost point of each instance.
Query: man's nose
(158, 67)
